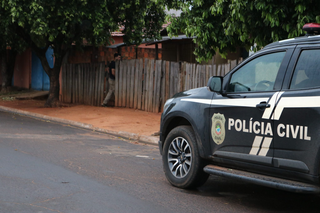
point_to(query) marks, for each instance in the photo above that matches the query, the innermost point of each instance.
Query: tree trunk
(53, 99)
(3, 62)
(8, 59)
(53, 73)
(10, 66)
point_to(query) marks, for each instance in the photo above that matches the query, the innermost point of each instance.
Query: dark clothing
(112, 65)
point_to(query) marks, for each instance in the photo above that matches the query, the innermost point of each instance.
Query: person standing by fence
(111, 79)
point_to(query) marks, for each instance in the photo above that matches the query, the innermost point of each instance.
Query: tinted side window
(257, 75)
(307, 71)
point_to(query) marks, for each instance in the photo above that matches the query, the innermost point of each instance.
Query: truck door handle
(263, 105)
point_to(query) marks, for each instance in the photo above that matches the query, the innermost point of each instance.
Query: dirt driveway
(110, 118)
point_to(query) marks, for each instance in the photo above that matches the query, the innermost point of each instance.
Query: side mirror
(215, 84)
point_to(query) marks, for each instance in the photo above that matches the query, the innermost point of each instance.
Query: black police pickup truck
(260, 123)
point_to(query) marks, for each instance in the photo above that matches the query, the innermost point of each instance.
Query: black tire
(182, 163)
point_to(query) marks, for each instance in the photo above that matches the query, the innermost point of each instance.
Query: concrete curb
(127, 135)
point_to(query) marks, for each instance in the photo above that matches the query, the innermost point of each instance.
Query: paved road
(48, 167)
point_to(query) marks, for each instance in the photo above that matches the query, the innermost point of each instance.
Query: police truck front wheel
(182, 163)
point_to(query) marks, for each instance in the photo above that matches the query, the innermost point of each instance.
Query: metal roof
(164, 39)
(114, 46)
(124, 44)
(167, 38)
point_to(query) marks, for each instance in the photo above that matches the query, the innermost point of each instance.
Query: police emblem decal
(218, 131)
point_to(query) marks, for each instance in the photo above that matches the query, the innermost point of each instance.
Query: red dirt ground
(111, 118)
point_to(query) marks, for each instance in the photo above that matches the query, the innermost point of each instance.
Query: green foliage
(142, 20)
(225, 24)
(7, 35)
(60, 24)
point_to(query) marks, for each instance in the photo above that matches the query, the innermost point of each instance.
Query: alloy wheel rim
(179, 157)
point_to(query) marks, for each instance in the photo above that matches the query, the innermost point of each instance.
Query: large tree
(224, 24)
(59, 24)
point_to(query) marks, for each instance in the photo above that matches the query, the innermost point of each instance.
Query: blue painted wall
(39, 78)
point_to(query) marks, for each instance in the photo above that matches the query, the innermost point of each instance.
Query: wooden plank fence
(140, 84)
(83, 83)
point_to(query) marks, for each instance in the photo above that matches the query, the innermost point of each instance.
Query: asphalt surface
(50, 167)
(47, 167)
